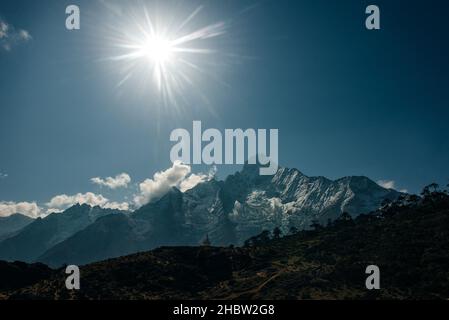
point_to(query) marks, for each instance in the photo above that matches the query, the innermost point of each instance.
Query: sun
(171, 55)
(158, 50)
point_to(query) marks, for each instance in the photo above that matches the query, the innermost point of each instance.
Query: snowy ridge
(246, 203)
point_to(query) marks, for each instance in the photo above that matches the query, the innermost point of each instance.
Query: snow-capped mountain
(290, 198)
(229, 212)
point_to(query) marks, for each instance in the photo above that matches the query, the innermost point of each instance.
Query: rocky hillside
(407, 239)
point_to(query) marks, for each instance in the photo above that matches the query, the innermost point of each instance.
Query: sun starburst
(171, 54)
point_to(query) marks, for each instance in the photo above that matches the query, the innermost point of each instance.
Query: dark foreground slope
(16, 275)
(408, 240)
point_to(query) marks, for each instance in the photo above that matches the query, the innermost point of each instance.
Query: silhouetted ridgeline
(408, 239)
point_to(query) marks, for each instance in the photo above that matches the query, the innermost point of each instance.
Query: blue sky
(346, 101)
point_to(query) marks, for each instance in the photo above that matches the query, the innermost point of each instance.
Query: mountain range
(228, 212)
(407, 239)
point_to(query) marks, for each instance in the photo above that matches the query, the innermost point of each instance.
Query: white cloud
(30, 209)
(3, 175)
(3, 29)
(117, 205)
(58, 204)
(192, 180)
(177, 176)
(390, 184)
(119, 181)
(24, 35)
(10, 36)
(63, 201)
(52, 210)
(387, 184)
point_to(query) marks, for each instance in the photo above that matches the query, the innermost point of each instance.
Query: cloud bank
(58, 204)
(30, 209)
(179, 175)
(119, 181)
(63, 201)
(10, 36)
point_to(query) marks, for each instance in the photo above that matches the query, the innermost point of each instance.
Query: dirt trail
(283, 270)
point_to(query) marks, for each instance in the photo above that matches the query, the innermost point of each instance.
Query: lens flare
(170, 53)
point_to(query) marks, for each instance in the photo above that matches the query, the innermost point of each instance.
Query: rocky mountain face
(229, 212)
(290, 198)
(43, 233)
(13, 223)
